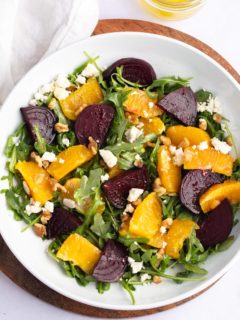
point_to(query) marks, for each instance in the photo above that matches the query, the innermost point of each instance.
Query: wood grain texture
(12, 268)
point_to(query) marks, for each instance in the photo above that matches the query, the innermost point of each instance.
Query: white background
(218, 25)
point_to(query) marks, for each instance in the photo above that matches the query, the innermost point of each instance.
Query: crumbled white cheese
(145, 277)
(104, 177)
(221, 146)
(80, 79)
(66, 142)
(134, 194)
(69, 203)
(172, 150)
(138, 157)
(136, 266)
(41, 97)
(61, 161)
(61, 93)
(133, 134)
(178, 157)
(163, 229)
(49, 156)
(129, 209)
(16, 140)
(203, 145)
(109, 158)
(34, 207)
(90, 71)
(47, 88)
(212, 105)
(62, 81)
(49, 206)
(33, 102)
(151, 104)
(26, 187)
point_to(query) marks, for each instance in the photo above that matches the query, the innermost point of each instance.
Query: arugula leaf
(169, 120)
(152, 161)
(40, 145)
(100, 227)
(213, 128)
(70, 135)
(165, 85)
(203, 95)
(60, 115)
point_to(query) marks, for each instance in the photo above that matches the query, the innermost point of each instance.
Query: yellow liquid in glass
(172, 9)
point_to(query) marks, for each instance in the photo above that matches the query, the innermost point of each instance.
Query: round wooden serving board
(10, 266)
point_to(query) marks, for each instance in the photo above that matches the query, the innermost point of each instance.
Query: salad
(130, 177)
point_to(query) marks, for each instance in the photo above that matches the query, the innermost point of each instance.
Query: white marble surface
(218, 25)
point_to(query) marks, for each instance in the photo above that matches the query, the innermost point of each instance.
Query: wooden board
(11, 267)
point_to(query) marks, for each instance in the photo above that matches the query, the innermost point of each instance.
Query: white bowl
(168, 57)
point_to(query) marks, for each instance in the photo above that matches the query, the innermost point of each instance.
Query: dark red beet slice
(41, 117)
(194, 184)
(181, 103)
(134, 70)
(117, 189)
(61, 222)
(217, 225)
(112, 263)
(94, 121)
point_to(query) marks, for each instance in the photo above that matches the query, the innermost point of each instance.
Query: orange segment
(71, 186)
(80, 252)
(153, 125)
(194, 135)
(114, 171)
(208, 159)
(68, 160)
(89, 93)
(179, 231)
(37, 179)
(139, 103)
(229, 189)
(169, 173)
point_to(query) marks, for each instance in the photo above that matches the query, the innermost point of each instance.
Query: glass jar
(172, 9)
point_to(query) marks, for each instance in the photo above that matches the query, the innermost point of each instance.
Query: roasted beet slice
(112, 263)
(61, 222)
(94, 121)
(117, 189)
(194, 184)
(181, 103)
(40, 117)
(216, 225)
(134, 70)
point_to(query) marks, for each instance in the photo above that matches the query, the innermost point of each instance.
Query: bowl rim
(188, 294)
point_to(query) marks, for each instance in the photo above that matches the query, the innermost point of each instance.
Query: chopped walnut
(36, 158)
(52, 104)
(158, 188)
(92, 146)
(124, 217)
(184, 143)
(165, 140)
(45, 216)
(160, 253)
(156, 279)
(229, 141)
(217, 117)
(61, 127)
(136, 203)
(39, 229)
(103, 164)
(71, 88)
(45, 164)
(202, 124)
(138, 163)
(167, 222)
(56, 186)
(132, 118)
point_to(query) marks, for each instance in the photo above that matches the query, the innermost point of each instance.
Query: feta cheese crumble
(203, 145)
(62, 81)
(212, 105)
(145, 277)
(108, 157)
(129, 209)
(69, 203)
(163, 229)
(34, 207)
(150, 104)
(80, 79)
(49, 206)
(135, 266)
(178, 157)
(134, 194)
(61, 93)
(90, 71)
(66, 142)
(49, 156)
(133, 134)
(221, 146)
(104, 177)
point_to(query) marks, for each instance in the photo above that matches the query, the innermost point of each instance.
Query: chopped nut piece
(124, 217)
(184, 143)
(217, 117)
(132, 118)
(202, 124)
(36, 158)
(52, 104)
(156, 279)
(56, 186)
(71, 88)
(165, 140)
(45, 216)
(167, 222)
(61, 127)
(45, 164)
(138, 161)
(39, 229)
(136, 203)
(229, 141)
(92, 146)
(157, 184)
